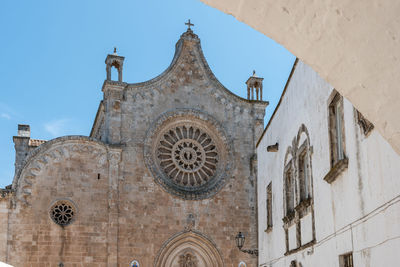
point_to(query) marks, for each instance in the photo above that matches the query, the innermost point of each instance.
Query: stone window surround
(65, 202)
(220, 138)
(269, 207)
(289, 190)
(346, 260)
(338, 164)
(304, 153)
(304, 206)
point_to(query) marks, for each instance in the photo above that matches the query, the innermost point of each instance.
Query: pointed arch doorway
(188, 249)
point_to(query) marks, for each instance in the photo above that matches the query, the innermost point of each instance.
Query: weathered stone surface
(122, 212)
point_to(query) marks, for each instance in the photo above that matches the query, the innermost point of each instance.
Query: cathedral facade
(167, 177)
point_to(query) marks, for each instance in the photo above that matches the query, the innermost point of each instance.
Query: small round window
(63, 212)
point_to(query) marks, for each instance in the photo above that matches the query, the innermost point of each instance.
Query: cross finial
(115, 50)
(189, 24)
(254, 73)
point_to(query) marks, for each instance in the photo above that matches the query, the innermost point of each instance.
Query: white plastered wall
(359, 211)
(352, 44)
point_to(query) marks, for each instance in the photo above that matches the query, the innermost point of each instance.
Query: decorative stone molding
(202, 251)
(193, 53)
(336, 170)
(51, 152)
(300, 146)
(63, 212)
(188, 153)
(365, 125)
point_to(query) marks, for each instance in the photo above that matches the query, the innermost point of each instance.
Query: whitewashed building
(328, 183)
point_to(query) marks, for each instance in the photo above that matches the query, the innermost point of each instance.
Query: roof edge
(98, 113)
(191, 37)
(280, 101)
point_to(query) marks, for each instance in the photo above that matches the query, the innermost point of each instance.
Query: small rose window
(63, 212)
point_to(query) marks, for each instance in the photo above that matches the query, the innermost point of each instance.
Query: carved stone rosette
(188, 153)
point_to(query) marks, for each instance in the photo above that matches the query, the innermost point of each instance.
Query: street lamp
(240, 238)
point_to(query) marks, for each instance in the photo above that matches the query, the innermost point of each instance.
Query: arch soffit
(311, 46)
(55, 149)
(192, 239)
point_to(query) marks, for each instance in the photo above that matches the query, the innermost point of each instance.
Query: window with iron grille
(346, 260)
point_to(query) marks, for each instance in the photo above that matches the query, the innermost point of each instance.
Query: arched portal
(188, 249)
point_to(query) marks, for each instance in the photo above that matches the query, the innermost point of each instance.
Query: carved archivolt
(189, 249)
(188, 153)
(52, 152)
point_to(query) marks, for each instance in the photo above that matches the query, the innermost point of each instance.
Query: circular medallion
(62, 212)
(187, 153)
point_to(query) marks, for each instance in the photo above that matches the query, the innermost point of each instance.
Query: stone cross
(189, 24)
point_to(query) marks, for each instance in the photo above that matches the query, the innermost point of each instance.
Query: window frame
(346, 260)
(290, 195)
(336, 129)
(304, 173)
(337, 138)
(268, 203)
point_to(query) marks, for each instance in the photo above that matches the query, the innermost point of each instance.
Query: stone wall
(122, 211)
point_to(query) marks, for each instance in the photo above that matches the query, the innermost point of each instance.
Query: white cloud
(57, 127)
(8, 113)
(5, 116)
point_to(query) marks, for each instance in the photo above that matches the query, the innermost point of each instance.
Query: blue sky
(52, 59)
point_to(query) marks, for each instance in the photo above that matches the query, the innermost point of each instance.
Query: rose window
(62, 212)
(187, 155)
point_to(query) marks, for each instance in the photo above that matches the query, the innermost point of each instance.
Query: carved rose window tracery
(62, 212)
(187, 155)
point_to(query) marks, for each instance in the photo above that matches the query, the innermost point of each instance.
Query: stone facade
(335, 187)
(167, 177)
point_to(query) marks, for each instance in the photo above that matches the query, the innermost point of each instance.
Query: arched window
(289, 184)
(304, 165)
(298, 197)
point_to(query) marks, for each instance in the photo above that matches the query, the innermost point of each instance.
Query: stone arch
(288, 155)
(303, 131)
(345, 46)
(192, 245)
(51, 152)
